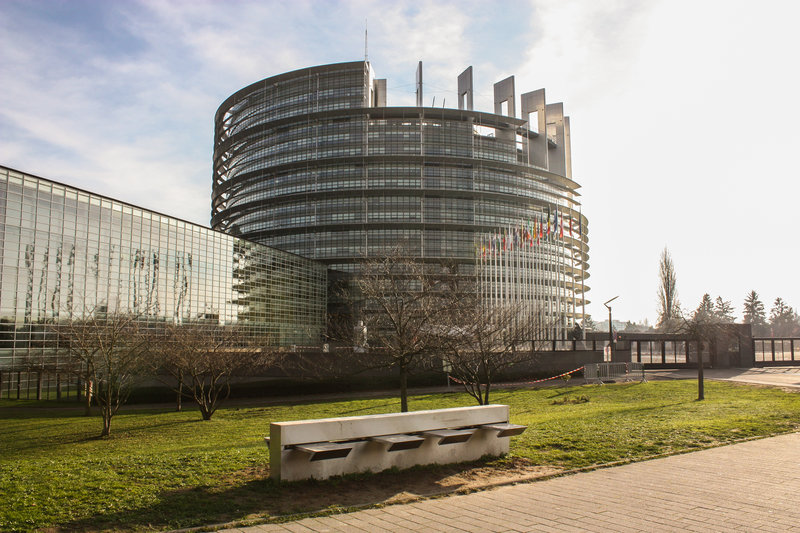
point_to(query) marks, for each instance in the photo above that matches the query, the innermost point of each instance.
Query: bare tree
(706, 327)
(478, 342)
(160, 362)
(397, 302)
(669, 308)
(203, 357)
(108, 349)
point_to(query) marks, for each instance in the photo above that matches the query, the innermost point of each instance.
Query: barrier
(333, 446)
(611, 372)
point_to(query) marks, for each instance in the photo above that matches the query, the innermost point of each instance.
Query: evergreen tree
(783, 319)
(705, 311)
(723, 309)
(754, 311)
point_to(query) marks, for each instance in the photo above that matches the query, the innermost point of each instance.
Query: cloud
(683, 113)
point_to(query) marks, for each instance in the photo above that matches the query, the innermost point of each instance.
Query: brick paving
(752, 486)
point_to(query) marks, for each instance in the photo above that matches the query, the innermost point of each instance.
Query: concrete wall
(554, 363)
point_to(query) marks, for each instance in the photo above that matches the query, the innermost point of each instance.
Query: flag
(548, 221)
(534, 231)
(555, 221)
(531, 231)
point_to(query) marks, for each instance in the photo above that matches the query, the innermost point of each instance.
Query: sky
(684, 113)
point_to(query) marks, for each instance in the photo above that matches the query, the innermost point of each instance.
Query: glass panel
(669, 351)
(93, 254)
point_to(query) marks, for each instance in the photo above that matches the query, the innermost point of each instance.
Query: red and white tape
(456, 380)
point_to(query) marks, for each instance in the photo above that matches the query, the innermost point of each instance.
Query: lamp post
(610, 328)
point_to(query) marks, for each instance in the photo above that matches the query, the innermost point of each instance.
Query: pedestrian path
(752, 486)
(786, 377)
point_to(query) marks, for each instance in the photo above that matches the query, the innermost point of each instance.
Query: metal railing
(612, 372)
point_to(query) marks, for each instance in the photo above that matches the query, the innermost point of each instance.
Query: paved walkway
(787, 377)
(752, 486)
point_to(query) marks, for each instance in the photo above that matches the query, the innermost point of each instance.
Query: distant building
(621, 326)
(314, 162)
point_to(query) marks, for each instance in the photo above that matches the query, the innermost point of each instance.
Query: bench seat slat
(451, 436)
(505, 430)
(400, 441)
(320, 451)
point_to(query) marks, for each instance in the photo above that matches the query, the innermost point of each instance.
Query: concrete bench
(333, 446)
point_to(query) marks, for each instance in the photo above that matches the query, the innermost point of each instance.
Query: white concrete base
(290, 464)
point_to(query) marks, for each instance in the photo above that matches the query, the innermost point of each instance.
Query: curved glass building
(313, 162)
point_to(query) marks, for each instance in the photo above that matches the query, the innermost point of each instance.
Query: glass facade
(305, 162)
(66, 252)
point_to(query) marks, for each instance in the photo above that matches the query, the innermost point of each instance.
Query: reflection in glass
(94, 254)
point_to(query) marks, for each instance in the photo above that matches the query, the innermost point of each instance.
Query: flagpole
(583, 273)
(479, 259)
(559, 282)
(493, 258)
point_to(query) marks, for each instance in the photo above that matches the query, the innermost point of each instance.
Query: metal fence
(668, 352)
(37, 385)
(612, 372)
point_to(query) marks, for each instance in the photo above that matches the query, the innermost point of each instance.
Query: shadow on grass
(563, 392)
(25, 413)
(261, 497)
(82, 436)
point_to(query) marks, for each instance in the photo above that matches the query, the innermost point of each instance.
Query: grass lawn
(162, 469)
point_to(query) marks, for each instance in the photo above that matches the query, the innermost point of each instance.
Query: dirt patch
(396, 487)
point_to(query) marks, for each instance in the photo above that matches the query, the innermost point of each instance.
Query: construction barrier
(612, 372)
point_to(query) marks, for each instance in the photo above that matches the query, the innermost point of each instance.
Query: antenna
(366, 55)
(419, 84)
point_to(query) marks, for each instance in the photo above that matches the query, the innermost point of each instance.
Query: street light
(610, 330)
